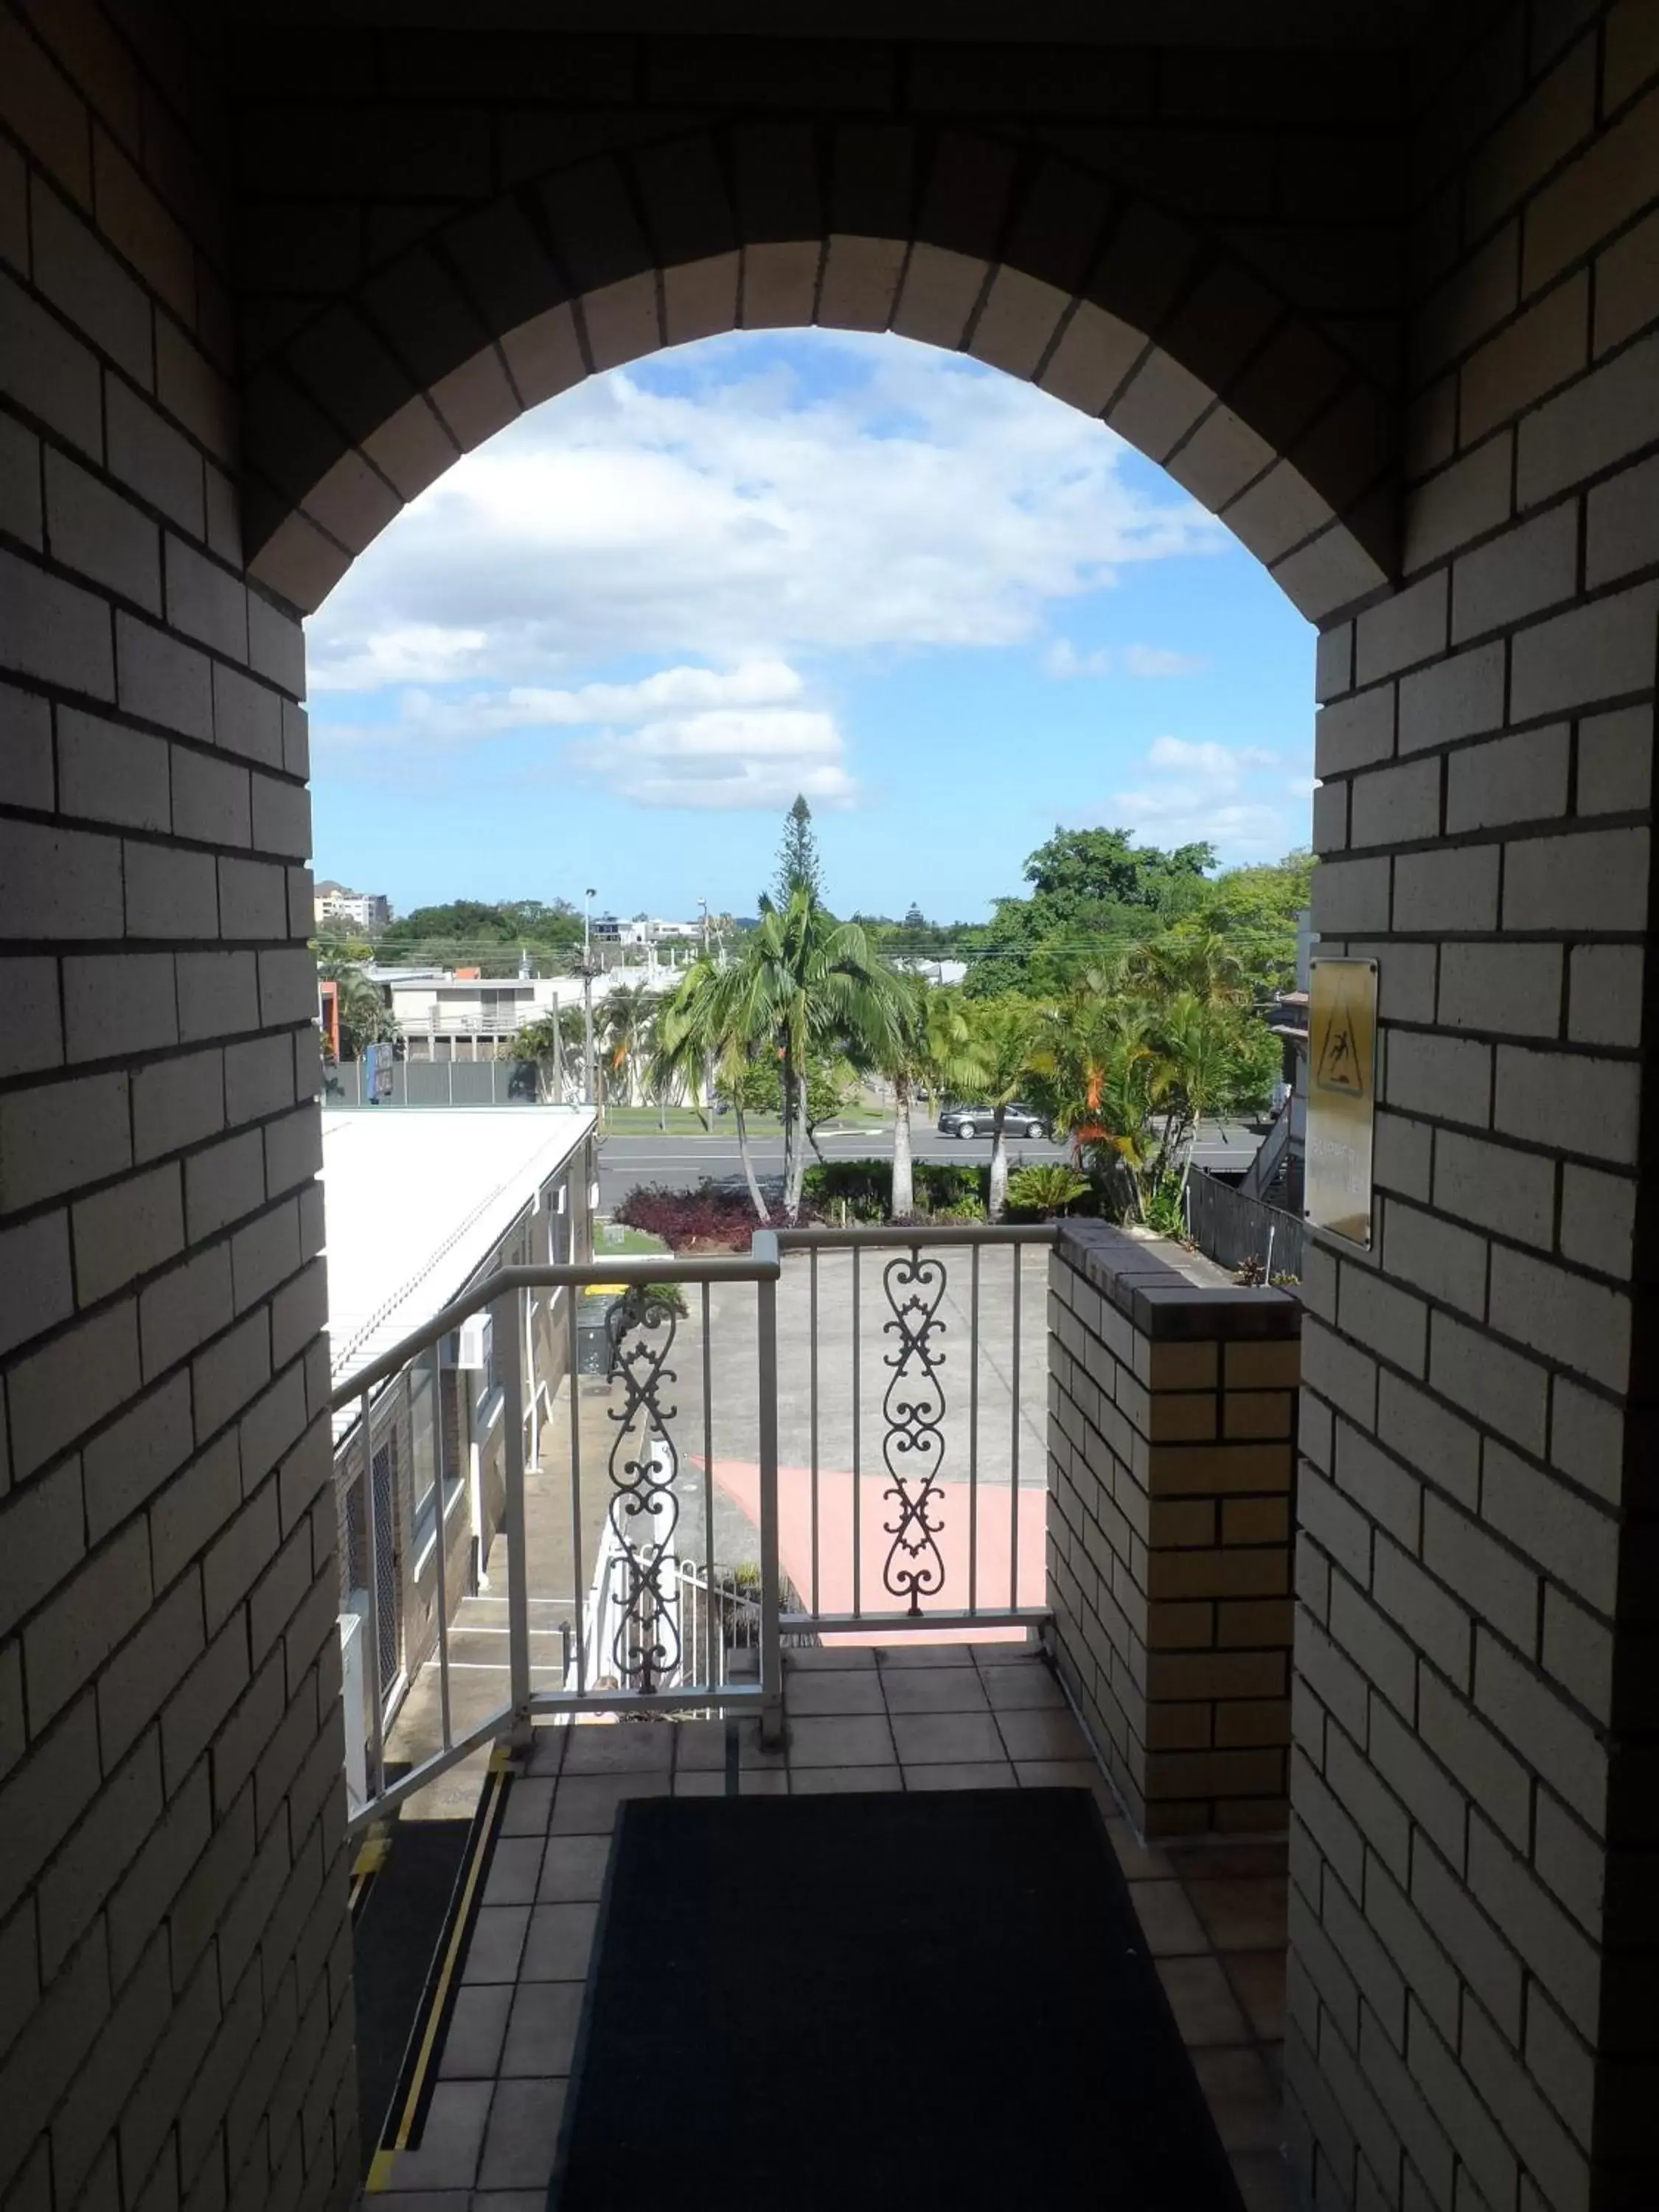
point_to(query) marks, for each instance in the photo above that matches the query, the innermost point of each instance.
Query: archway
(1023, 259)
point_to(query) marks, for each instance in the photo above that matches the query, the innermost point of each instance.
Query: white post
(764, 1246)
(509, 1365)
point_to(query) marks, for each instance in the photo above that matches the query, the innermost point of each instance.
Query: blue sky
(610, 646)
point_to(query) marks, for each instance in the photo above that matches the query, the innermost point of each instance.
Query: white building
(333, 904)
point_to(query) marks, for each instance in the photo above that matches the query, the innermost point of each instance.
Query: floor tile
(837, 1781)
(494, 1946)
(426, 2200)
(763, 1781)
(472, 2036)
(514, 1866)
(817, 1658)
(926, 1655)
(855, 1740)
(1066, 1774)
(1205, 2008)
(1167, 1920)
(838, 1691)
(1242, 2096)
(1243, 1915)
(934, 1690)
(620, 1747)
(506, 2200)
(1258, 1981)
(546, 1749)
(1041, 1735)
(558, 1946)
(971, 1774)
(523, 2131)
(447, 2157)
(542, 2031)
(529, 1805)
(696, 1783)
(586, 1803)
(1011, 1688)
(931, 1739)
(1139, 1862)
(572, 1869)
(700, 1745)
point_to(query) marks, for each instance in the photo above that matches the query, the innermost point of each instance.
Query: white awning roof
(415, 1200)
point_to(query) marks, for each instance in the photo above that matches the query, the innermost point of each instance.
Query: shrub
(964, 1209)
(1047, 1189)
(707, 1215)
(863, 1187)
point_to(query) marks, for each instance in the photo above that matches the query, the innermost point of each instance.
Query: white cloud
(1062, 661)
(727, 758)
(909, 499)
(1199, 792)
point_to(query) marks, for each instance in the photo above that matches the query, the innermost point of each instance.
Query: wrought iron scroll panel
(913, 1439)
(644, 1507)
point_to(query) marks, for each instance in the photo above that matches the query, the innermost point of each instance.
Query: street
(680, 1163)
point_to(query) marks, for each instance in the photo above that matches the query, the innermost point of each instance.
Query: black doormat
(875, 2000)
(393, 1940)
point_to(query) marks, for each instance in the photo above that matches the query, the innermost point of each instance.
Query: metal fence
(914, 1413)
(1234, 1230)
(439, 1083)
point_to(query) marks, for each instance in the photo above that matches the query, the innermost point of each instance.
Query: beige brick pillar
(1170, 1425)
(175, 2018)
(1475, 1718)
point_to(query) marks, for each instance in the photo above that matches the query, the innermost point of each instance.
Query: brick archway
(975, 243)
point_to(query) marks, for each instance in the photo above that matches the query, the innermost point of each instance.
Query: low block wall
(1172, 1399)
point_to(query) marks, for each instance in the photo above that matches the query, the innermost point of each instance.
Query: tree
(627, 1014)
(365, 1016)
(1004, 1036)
(697, 1032)
(339, 955)
(798, 867)
(927, 1048)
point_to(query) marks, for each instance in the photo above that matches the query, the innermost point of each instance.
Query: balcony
(862, 1511)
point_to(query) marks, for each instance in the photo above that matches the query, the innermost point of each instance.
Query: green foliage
(473, 933)
(862, 1190)
(798, 867)
(1166, 1210)
(1045, 1188)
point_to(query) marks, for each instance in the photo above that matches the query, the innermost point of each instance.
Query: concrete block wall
(1171, 1426)
(1475, 1721)
(175, 2019)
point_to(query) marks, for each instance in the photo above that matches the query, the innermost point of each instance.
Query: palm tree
(1102, 1069)
(929, 1049)
(365, 1016)
(627, 1014)
(697, 1031)
(1006, 1035)
(338, 956)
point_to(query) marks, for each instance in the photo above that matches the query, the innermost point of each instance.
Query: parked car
(968, 1121)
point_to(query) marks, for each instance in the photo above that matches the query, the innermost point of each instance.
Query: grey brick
(53, 629)
(182, 1309)
(1388, 1321)
(1558, 2165)
(1432, 1618)
(1528, 1711)
(88, 1867)
(235, 1562)
(47, 371)
(45, 2062)
(70, 1382)
(118, 1005)
(1384, 1490)
(1447, 1079)
(127, 1230)
(1455, 698)
(205, 601)
(1408, 1941)
(171, 894)
(26, 763)
(210, 1882)
(1447, 1263)
(1605, 1003)
(1533, 565)
(258, 1079)
(178, 2054)
(218, 994)
(129, 1695)
(58, 883)
(1485, 1960)
(1553, 1099)
(176, 1103)
(93, 529)
(1375, 1646)
(224, 1183)
(231, 1372)
(211, 798)
(1616, 761)
(1585, 1325)
(1492, 1582)
(1396, 805)
(1598, 1220)
(1354, 732)
(1595, 880)
(1570, 1536)
(247, 716)
(40, 1803)
(252, 1723)
(1446, 890)
(128, 1461)
(1351, 896)
(1519, 778)
(1592, 653)
(197, 1709)
(108, 774)
(1500, 1388)
(1496, 1185)
(165, 1848)
(161, 678)
(1381, 1816)
(191, 1510)
(1340, 1373)
(37, 1288)
(1563, 1959)
(1335, 1524)
(146, 451)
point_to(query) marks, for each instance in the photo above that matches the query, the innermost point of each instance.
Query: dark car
(976, 1122)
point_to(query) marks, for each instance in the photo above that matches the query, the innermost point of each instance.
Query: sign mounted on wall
(1341, 1096)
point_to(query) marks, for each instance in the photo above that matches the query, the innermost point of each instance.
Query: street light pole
(587, 998)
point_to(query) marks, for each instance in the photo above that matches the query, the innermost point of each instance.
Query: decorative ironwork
(913, 1445)
(645, 1509)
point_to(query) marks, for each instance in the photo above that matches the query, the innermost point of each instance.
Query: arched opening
(1026, 261)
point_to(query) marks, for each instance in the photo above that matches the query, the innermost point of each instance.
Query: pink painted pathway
(740, 1480)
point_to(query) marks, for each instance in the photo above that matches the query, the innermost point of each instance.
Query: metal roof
(415, 1200)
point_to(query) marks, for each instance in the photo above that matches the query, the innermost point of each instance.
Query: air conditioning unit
(468, 1347)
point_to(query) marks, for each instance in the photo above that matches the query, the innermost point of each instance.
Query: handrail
(901, 1236)
(671, 1267)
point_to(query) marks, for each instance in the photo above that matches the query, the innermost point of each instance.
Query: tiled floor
(938, 1716)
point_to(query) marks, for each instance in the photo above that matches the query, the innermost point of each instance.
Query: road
(682, 1162)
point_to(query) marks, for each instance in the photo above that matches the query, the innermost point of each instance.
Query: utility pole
(587, 997)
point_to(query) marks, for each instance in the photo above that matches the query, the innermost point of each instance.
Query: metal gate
(388, 1583)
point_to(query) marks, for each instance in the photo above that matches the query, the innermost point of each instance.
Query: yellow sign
(1341, 1096)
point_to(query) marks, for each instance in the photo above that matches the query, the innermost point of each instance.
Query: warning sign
(1341, 1101)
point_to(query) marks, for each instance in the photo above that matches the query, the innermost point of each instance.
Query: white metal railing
(914, 1400)
(916, 1517)
(643, 1671)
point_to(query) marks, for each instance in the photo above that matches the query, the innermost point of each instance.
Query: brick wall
(1172, 1416)
(175, 2020)
(1472, 1718)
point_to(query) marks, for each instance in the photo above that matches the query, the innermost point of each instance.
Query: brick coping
(1168, 1293)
